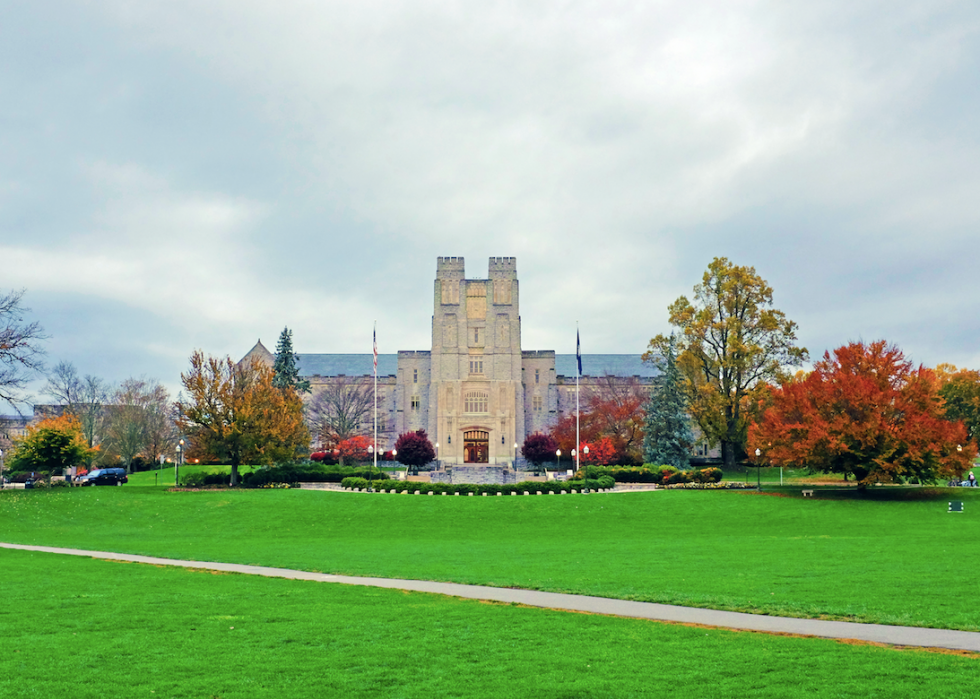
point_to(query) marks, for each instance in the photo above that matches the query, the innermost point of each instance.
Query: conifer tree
(287, 374)
(668, 436)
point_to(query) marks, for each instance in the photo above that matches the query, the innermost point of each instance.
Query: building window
(416, 403)
(537, 376)
(476, 402)
(415, 375)
(537, 404)
(476, 366)
(476, 336)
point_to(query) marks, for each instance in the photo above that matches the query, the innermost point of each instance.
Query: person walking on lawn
(973, 480)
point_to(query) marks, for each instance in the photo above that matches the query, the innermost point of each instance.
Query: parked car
(104, 476)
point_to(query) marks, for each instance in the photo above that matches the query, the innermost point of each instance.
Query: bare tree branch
(21, 355)
(338, 412)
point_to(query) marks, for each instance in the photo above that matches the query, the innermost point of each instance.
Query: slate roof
(346, 364)
(361, 365)
(603, 364)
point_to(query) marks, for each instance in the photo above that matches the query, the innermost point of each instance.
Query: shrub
(711, 475)
(352, 482)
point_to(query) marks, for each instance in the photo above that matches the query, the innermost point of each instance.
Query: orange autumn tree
(863, 411)
(960, 389)
(236, 413)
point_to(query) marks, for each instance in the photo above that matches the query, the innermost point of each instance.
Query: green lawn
(890, 561)
(165, 476)
(83, 628)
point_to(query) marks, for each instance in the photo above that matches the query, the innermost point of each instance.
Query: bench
(808, 493)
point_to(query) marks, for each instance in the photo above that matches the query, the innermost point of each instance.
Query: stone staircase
(478, 475)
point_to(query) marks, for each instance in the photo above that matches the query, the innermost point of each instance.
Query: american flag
(578, 352)
(375, 337)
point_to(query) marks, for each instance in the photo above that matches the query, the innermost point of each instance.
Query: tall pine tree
(668, 436)
(287, 374)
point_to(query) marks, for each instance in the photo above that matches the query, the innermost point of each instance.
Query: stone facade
(476, 392)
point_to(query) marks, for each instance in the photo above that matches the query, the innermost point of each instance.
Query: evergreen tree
(287, 374)
(668, 437)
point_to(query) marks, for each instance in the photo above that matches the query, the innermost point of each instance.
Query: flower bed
(727, 485)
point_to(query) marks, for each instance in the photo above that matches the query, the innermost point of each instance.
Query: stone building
(476, 391)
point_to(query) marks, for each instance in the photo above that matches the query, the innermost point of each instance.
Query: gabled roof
(260, 354)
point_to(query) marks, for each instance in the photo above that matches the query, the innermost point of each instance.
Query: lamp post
(1, 469)
(558, 459)
(180, 454)
(959, 450)
(758, 469)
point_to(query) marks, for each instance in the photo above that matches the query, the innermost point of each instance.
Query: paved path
(876, 633)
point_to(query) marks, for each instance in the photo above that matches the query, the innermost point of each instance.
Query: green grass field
(83, 628)
(889, 561)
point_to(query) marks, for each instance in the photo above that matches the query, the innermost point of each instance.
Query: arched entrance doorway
(476, 447)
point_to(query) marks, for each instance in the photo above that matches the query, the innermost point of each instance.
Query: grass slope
(900, 562)
(84, 628)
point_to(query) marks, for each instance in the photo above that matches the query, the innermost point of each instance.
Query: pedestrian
(973, 480)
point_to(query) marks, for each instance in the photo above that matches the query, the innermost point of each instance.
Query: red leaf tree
(539, 449)
(353, 450)
(612, 408)
(601, 452)
(863, 411)
(414, 449)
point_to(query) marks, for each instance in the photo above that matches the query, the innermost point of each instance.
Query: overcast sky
(179, 175)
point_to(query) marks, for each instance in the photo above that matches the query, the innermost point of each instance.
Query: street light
(758, 469)
(180, 455)
(1, 469)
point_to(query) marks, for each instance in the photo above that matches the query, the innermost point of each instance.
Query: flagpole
(375, 338)
(578, 372)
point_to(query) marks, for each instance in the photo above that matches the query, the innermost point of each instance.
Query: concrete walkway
(875, 633)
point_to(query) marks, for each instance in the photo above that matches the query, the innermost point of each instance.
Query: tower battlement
(503, 268)
(450, 267)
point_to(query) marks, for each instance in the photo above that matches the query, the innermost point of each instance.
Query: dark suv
(104, 476)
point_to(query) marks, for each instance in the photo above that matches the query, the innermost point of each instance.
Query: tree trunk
(727, 455)
(234, 473)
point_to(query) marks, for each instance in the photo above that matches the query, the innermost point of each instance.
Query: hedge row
(649, 473)
(389, 486)
(309, 473)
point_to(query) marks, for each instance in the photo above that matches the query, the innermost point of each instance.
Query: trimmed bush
(354, 482)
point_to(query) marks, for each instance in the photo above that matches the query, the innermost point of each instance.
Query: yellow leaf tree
(731, 343)
(236, 413)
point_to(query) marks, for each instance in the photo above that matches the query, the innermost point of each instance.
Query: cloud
(238, 166)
